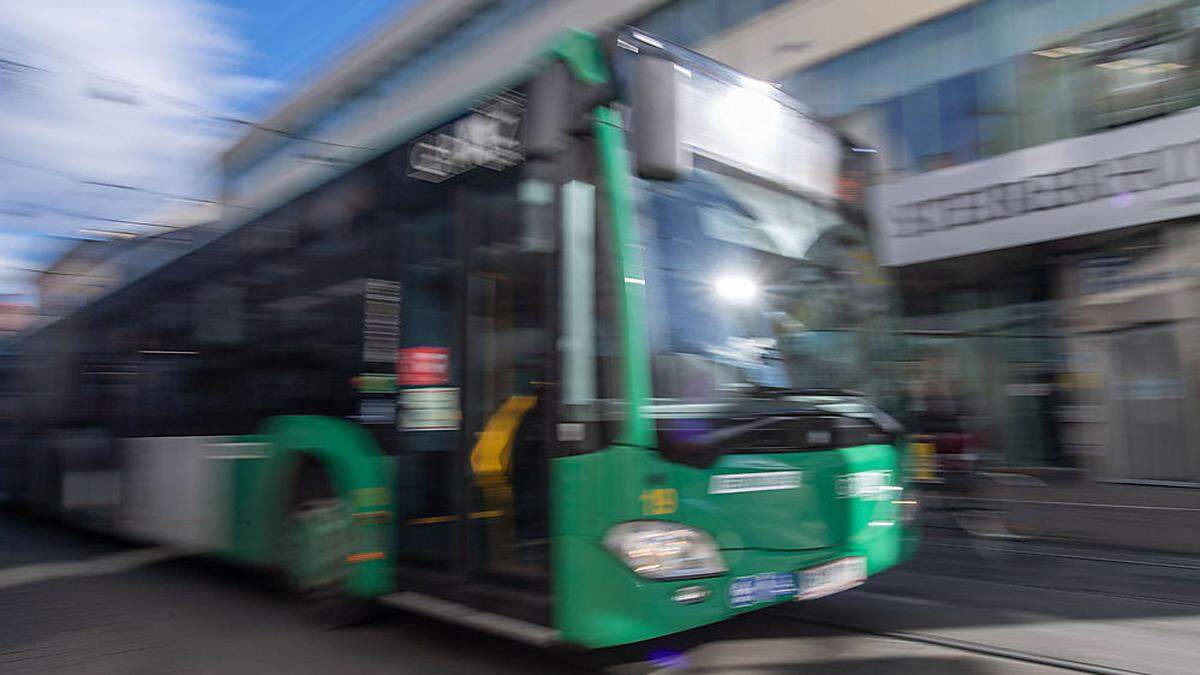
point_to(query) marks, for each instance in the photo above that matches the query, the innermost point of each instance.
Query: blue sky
(293, 39)
(112, 113)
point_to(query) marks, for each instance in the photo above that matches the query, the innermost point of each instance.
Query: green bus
(600, 356)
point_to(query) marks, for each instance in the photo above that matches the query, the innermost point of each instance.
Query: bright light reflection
(735, 288)
(754, 114)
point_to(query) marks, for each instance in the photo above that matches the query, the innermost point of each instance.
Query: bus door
(508, 398)
(428, 448)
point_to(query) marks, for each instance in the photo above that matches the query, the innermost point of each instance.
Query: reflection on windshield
(752, 287)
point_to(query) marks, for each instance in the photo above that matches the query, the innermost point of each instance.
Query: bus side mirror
(659, 150)
(546, 118)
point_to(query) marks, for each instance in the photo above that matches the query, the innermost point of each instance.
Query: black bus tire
(314, 539)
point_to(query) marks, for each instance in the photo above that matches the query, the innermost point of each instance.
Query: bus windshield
(753, 288)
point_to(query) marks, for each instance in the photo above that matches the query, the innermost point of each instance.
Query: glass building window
(958, 118)
(734, 12)
(699, 20)
(999, 75)
(663, 22)
(688, 22)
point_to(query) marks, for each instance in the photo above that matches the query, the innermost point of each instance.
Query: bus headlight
(657, 549)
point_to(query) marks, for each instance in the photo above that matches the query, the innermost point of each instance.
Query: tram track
(1039, 613)
(967, 646)
(1064, 556)
(1141, 595)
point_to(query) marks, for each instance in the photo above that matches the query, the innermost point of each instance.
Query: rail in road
(1078, 608)
(964, 646)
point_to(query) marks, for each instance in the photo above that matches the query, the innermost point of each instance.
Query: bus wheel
(316, 537)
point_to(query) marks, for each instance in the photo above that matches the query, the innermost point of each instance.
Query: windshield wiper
(768, 390)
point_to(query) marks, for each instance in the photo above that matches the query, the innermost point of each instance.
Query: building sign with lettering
(1137, 174)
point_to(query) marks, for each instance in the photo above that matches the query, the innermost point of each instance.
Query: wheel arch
(357, 471)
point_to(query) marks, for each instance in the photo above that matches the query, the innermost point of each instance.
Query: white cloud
(97, 95)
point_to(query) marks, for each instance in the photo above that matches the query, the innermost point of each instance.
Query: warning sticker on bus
(430, 409)
(423, 366)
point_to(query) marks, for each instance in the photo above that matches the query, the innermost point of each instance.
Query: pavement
(74, 602)
(193, 615)
(1070, 507)
(1133, 516)
(1093, 607)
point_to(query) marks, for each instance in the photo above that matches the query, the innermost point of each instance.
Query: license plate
(830, 578)
(759, 588)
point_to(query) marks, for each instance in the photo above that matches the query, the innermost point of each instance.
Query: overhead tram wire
(35, 206)
(17, 64)
(220, 117)
(203, 111)
(33, 166)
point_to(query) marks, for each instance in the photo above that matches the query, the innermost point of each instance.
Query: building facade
(1038, 189)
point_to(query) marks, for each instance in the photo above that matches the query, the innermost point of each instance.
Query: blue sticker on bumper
(759, 588)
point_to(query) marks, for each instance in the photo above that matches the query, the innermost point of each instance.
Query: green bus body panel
(602, 603)
(249, 520)
(262, 488)
(616, 174)
(582, 53)
(598, 601)
(585, 58)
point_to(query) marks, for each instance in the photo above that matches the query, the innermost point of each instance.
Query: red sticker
(421, 366)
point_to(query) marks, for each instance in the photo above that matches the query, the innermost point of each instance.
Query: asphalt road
(72, 602)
